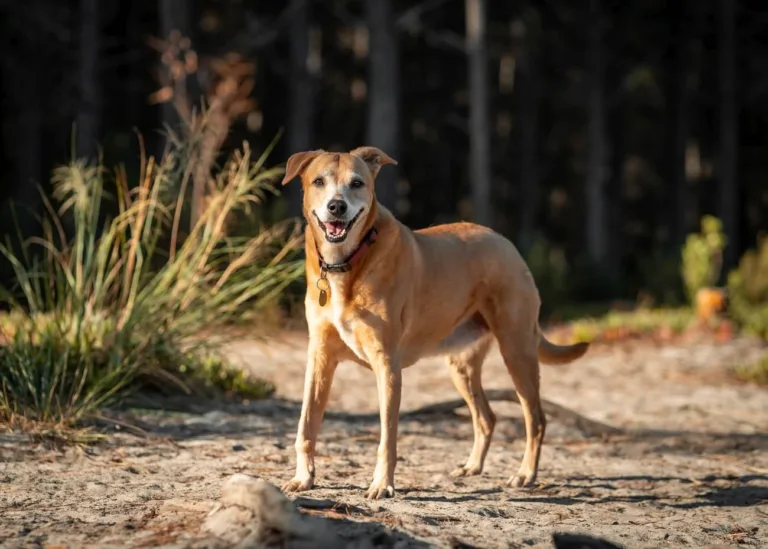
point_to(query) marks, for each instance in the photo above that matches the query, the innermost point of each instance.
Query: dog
(384, 296)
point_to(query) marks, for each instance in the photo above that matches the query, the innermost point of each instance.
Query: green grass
(641, 321)
(110, 299)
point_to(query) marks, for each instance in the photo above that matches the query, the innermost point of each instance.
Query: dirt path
(692, 471)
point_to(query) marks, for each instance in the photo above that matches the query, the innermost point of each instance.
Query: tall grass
(111, 298)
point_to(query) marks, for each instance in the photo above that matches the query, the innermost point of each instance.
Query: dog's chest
(344, 326)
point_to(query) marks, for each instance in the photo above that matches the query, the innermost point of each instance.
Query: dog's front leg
(389, 387)
(317, 387)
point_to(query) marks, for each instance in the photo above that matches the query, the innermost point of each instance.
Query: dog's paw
(298, 485)
(466, 471)
(380, 490)
(521, 480)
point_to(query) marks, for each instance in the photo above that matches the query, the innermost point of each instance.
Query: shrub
(110, 308)
(703, 256)
(748, 290)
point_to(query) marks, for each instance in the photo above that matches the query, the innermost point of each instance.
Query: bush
(748, 290)
(109, 310)
(703, 257)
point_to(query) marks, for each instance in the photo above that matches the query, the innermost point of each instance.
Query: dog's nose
(337, 207)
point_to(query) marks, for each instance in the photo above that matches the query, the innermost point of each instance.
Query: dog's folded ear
(373, 157)
(297, 163)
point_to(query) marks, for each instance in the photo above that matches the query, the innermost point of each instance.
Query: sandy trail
(691, 471)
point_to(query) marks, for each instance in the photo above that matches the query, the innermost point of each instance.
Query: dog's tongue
(335, 228)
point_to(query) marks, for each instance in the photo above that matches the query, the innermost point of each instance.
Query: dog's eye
(356, 184)
(318, 182)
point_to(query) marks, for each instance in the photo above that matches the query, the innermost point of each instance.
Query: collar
(346, 266)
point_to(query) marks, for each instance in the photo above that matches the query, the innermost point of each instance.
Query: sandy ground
(689, 470)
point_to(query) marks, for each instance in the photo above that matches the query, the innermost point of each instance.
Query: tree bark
(479, 129)
(89, 111)
(729, 184)
(383, 94)
(302, 95)
(597, 167)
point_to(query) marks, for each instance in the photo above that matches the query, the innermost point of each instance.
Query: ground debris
(252, 513)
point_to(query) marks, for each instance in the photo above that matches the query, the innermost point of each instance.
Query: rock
(96, 487)
(255, 513)
(238, 448)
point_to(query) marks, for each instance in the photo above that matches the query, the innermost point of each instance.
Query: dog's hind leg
(466, 369)
(516, 330)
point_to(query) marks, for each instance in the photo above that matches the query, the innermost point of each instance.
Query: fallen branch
(553, 411)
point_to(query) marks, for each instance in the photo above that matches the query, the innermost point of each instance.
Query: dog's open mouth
(336, 231)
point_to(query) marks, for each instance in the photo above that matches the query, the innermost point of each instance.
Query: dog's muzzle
(336, 230)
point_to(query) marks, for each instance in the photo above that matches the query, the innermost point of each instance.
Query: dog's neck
(345, 266)
(337, 253)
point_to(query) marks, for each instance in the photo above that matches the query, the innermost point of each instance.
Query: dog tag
(323, 286)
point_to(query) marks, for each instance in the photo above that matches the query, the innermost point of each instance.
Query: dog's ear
(373, 157)
(297, 163)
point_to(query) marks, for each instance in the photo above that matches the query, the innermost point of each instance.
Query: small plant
(748, 290)
(702, 257)
(216, 374)
(110, 309)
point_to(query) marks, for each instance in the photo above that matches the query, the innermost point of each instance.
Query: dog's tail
(549, 353)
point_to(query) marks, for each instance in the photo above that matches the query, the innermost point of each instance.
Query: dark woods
(595, 134)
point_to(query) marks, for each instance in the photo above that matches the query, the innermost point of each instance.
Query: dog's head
(339, 192)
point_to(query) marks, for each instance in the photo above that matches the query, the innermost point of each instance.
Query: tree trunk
(597, 167)
(89, 111)
(729, 206)
(383, 94)
(479, 136)
(302, 99)
(680, 212)
(527, 84)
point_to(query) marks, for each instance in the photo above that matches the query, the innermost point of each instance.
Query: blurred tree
(89, 110)
(728, 174)
(680, 76)
(303, 73)
(526, 80)
(175, 21)
(383, 91)
(479, 127)
(597, 161)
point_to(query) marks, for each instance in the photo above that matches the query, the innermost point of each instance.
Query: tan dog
(384, 296)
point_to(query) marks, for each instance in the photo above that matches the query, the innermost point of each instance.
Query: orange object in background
(710, 302)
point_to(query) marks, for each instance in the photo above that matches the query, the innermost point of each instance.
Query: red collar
(346, 266)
